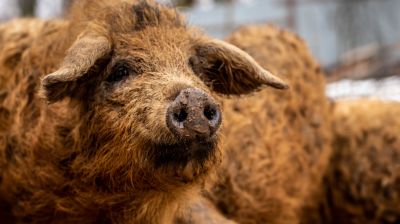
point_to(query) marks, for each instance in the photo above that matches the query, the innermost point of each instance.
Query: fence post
(291, 13)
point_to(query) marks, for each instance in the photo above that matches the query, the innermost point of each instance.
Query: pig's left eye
(118, 73)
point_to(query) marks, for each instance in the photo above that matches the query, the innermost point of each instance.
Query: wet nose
(193, 114)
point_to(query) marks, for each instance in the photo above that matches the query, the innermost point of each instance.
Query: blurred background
(356, 41)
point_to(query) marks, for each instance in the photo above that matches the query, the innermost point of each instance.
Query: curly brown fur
(363, 182)
(201, 210)
(83, 112)
(277, 146)
(280, 167)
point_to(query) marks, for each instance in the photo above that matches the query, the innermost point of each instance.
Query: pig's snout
(193, 114)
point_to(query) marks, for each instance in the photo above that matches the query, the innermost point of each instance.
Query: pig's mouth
(180, 154)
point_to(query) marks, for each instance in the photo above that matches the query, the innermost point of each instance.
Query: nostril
(209, 112)
(193, 114)
(181, 115)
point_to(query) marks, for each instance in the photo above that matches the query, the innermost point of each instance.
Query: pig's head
(148, 85)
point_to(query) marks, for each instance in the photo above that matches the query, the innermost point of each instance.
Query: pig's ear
(79, 59)
(228, 69)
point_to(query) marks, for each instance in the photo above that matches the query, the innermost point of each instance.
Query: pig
(113, 114)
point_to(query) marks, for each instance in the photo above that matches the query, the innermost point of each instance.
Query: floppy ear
(229, 70)
(80, 57)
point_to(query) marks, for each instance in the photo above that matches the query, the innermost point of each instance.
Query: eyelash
(118, 73)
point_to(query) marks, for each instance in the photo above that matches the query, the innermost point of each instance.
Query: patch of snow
(384, 89)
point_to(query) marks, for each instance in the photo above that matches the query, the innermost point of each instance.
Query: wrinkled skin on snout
(150, 88)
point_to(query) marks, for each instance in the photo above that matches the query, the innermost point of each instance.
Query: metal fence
(333, 28)
(351, 38)
(41, 8)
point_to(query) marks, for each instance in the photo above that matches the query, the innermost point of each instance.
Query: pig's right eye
(118, 73)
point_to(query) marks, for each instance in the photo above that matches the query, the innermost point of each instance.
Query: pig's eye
(118, 73)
